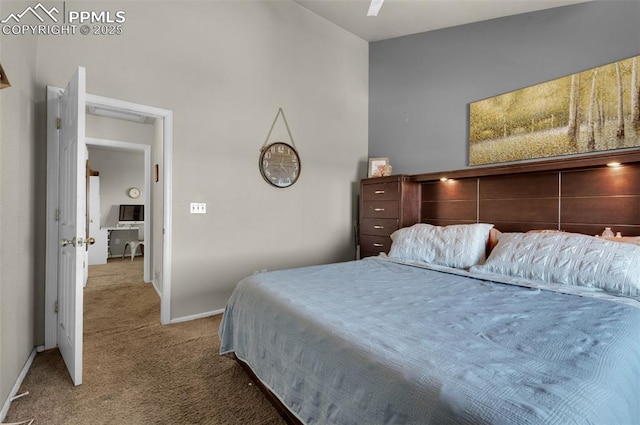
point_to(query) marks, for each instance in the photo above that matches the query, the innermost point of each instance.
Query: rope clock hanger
(279, 162)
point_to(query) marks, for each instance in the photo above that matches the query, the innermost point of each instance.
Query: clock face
(280, 164)
(134, 192)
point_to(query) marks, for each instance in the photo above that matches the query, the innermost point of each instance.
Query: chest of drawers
(386, 204)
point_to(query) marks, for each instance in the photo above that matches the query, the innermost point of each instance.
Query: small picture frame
(379, 167)
(4, 81)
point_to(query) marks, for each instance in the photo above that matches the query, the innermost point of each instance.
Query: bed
(546, 330)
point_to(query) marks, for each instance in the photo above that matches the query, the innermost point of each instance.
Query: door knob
(91, 240)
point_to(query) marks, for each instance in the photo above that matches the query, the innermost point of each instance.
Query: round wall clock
(134, 192)
(280, 164)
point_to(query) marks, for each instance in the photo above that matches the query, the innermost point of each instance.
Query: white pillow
(459, 245)
(567, 258)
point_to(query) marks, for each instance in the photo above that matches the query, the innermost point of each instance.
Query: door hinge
(55, 306)
(57, 215)
(58, 123)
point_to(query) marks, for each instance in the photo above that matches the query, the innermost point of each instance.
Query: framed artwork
(379, 167)
(594, 110)
(4, 81)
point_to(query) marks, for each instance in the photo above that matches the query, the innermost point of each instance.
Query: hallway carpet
(137, 371)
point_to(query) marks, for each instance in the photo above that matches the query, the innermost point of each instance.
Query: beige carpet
(137, 371)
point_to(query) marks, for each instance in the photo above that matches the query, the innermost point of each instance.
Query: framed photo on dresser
(377, 167)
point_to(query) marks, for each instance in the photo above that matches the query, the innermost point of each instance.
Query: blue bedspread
(374, 342)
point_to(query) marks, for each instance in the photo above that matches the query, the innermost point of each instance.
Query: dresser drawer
(375, 244)
(386, 204)
(378, 226)
(380, 209)
(381, 192)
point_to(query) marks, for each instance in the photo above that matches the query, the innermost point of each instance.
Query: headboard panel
(444, 204)
(576, 195)
(599, 197)
(516, 203)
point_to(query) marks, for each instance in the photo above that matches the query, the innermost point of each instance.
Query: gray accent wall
(420, 86)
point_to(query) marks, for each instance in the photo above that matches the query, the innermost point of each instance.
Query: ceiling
(403, 17)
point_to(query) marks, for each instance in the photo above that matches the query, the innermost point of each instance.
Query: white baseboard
(187, 318)
(155, 286)
(197, 316)
(16, 386)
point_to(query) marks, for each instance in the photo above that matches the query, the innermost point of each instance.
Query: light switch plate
(198, 208)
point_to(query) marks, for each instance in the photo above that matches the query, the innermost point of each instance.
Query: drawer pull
(378, 209)
(378, 245)
(378, 227)
(379, 192)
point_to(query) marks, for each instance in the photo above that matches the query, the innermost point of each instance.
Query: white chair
(133, 247)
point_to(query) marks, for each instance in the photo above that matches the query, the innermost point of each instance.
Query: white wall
(157, 206)
(22, 199)
(119, 171)
(224, 69)
(116, 129)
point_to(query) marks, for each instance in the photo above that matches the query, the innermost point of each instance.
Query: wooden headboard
(580, 194)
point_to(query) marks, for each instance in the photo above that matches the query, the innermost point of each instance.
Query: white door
(71, 224)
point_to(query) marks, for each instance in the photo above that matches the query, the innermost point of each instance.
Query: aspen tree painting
(595, 110)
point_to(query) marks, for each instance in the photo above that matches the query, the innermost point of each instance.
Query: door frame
(120, 146)
(51, 275)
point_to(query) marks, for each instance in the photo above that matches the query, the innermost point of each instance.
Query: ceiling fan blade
(374, 8)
